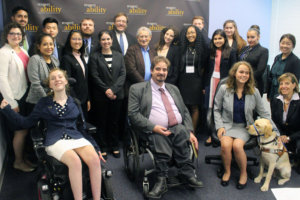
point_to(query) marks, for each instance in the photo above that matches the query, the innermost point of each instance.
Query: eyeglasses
(15, 34)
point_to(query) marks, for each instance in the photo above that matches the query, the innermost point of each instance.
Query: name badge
(190, 69)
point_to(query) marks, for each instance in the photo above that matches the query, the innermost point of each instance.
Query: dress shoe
(104, 155)
(193, 182)
(208, 142)
(241, 186)
(116, 154)
(224, 183)
(159, 188)
(23, 167)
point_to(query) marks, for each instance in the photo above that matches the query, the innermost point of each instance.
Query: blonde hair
(47, 81)
(249, 87)
(293, 78)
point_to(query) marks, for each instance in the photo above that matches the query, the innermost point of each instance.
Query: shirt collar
(144, 50)
(294, 97)
(155, 86)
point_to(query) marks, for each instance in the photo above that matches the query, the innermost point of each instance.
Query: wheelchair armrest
(36, 135)
(91, 129)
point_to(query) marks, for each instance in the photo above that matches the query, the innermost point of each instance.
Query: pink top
(25, 60)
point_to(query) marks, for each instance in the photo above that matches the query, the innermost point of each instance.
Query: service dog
(274, 155)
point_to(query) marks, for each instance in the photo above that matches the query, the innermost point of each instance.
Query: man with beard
(20, 16)
(121, 39)
(87, 26)
(157, 110)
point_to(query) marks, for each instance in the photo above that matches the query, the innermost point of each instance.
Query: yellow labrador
(273, 153)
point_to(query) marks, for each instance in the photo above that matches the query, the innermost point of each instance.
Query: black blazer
(116, 46)
(173, 57)
(292, 65)
(258, 58)
(80, 89)
(225, 65)
(291, 127)
(102, 78)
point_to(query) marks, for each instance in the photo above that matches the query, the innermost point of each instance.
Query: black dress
(190, 81)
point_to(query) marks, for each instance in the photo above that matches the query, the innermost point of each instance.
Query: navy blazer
(173, 57)
(56, 125)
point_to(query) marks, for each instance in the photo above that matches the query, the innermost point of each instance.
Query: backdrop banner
(155, 14)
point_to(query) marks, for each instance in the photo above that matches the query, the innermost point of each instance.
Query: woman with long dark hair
(168, 47)
(107, 74)
(74, 63)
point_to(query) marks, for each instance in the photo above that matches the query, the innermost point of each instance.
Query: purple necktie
(172, 121)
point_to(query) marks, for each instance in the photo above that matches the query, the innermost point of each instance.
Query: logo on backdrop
(31, 28)
(173, 11)
(94, 9)
(110, 25)
(154, 27)
(68, 26)
(47, 8)
(136, 10)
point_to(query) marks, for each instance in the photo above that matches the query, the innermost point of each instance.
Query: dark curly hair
(198, 44)
(68, 49)
(10, 26)
(39, 41)
(161, 42)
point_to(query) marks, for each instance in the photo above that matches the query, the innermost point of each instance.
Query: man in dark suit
(198, 21)
(121, 39)
(157, 110)
(20, 16)
(138, 58)
(50, 26)
(87, 27)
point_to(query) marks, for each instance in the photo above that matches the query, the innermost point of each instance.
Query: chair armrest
(91, 129)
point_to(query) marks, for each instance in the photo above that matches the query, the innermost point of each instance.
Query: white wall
(285, 19)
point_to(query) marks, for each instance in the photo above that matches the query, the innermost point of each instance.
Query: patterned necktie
(122, 43)
(172, 121)
(86, 47)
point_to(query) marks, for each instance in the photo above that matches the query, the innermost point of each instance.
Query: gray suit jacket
(140, 103)
(37, 70)
(223, 108)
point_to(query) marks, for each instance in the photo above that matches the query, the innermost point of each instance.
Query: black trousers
(106, 117)
(174, 146)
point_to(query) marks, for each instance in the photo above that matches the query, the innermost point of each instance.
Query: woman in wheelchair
(233, 111)
(64, 141)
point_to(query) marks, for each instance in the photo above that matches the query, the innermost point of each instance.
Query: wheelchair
(134, 152)
(53, 182)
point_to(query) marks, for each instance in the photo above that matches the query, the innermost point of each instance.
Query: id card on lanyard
(190, 67)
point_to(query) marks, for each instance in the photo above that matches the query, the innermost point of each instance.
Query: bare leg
(91, 158)
(18, 145)
(226, 148)
(72, 160)
(241, 159)
(195, 116)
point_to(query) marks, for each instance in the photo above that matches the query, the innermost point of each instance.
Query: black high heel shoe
(224, 183)
(240, 186)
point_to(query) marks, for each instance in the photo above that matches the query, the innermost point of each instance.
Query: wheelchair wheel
(43, 190)
(131, 157)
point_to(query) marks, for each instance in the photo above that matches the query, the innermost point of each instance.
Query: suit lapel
(102, 59)
(141, 60)
(175, 98)
(147, 99)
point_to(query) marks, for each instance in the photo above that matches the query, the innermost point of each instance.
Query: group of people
(107, 69)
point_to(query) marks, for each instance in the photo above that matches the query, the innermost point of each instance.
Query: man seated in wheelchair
(156, 108)
(64, 141)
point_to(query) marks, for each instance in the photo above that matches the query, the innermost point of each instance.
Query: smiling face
(51, 29)
(144, 38)
(286, 87)
(14, 37)
(121, 23)
(47, 46)
(57, 81)
(191, 34)
(198, 23)
(252, 38)
(219, 41)
(105, 41)
(286, 46)
(169, 36)
(76, 41)
(159, 73)
(21, 17)
(229, 29)
(242, 74)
